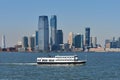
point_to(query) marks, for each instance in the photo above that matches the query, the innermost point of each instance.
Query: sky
(19, 18)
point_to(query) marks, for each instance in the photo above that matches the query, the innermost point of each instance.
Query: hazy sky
(20, 17)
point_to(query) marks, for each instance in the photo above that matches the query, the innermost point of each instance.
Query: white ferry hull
(76, 62)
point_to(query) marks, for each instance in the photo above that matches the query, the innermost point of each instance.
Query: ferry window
(51, 60)
(39, 59)
(44, 60)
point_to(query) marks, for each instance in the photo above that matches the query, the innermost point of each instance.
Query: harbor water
(23, 66)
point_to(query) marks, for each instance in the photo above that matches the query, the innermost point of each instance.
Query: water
(22, 66)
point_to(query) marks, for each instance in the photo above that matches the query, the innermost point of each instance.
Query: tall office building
(32, 43)
(70, 39)
(118, 44)
(53, 24)
(93, 41)
(3, 42)
(87, 37)
(36, 38)
(113, 43)
(107, 43)
(25, 42)
(43, 33)
(78, 41)
(59, 37)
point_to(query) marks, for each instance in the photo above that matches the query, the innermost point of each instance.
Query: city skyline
(19, 18)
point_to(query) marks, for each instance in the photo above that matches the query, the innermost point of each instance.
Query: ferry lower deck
(75, 62)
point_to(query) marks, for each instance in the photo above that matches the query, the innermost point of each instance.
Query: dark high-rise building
(118, 44)
(59, 37)
(113, 43)
(25, 42)
(32, 43)
(43, 33)
(36, 38)
(78, 41)
(87, 37)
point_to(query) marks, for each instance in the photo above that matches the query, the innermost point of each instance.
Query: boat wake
(32, 64)
(60, 65)
(35, 64)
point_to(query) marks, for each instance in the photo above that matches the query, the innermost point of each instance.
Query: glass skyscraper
(25, 42)
(53, 25)
(43, 33)
(36, 38)
(87, 37)
(59, 37)
(78, 41)
(32, 43)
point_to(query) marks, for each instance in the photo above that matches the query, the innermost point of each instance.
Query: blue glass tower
(87, 37)
(36, 38)
(25, 42)
(43, 33)
(32, 43)
(53, 24)
(78, 41)
(59, 37)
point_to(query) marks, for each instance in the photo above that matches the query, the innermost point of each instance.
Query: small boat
(60, 60)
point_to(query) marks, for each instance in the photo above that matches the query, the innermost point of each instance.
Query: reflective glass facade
(43, 33)
(78, 41)
(53, 25)
(36, 38)
(25, 42)
(59, 37)
(87, 37)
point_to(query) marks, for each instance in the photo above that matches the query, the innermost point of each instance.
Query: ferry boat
(60, 60)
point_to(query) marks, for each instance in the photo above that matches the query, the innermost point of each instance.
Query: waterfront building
(107, 45)
(112, 43)
(107, 41)
(3, 42)
(18, 46)
(66, 47)
(25, 42)
(36, 38)
(32, 43)
(53, 25)
(87, 37)
(78, 41)
(59, 37)
(118, 43)
(93, 41)
(70, 39)
(43, 33)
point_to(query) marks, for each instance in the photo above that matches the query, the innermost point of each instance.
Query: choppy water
(22, 66)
